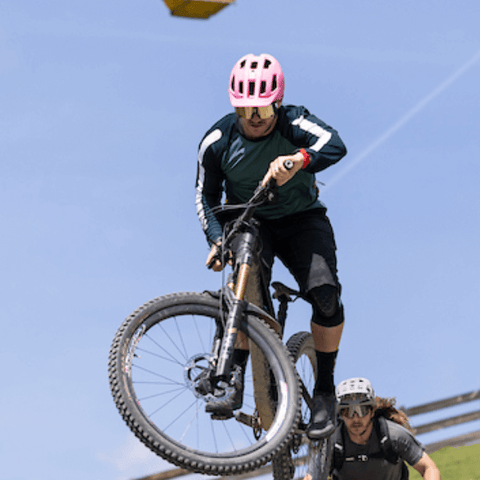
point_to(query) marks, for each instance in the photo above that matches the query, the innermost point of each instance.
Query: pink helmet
(256, 81)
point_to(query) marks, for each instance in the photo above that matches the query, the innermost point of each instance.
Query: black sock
(325, 367)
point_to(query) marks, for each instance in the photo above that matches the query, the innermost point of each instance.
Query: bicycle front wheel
(155, 358)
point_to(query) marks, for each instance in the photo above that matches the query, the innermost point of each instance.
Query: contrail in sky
(403, 120)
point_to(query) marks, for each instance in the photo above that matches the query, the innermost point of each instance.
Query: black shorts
(305, 244)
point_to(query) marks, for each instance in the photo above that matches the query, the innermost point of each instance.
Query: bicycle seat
(281, 289)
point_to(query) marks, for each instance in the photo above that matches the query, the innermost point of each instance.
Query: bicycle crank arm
(248, 420)
(252, 421)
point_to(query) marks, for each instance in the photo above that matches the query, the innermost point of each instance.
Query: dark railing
(469, 438)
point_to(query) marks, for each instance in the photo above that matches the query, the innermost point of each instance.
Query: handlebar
(261, 196)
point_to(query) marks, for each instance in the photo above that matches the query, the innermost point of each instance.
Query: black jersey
(229, 162)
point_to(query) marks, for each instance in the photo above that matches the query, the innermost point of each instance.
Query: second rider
(250, 146)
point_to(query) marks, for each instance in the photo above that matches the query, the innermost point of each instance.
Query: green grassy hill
(455, 463)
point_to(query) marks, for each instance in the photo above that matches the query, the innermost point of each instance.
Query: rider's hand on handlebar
(279, 172)
(214, 261)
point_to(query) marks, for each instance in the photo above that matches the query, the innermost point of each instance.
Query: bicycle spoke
(195, 416)
(164, 405)
(214, 437)
(171, 382)
(179, 416)
(172, 359)
(174, 344)
(156, 395)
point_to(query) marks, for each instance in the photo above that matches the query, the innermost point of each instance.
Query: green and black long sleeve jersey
(229, 162)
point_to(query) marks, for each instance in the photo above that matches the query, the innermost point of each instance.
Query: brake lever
(272, 192)
(222, 256)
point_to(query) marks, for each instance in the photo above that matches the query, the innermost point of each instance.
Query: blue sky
(102, 107)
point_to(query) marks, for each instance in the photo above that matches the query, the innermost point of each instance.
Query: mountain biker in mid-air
(250, 146)
(373, 439)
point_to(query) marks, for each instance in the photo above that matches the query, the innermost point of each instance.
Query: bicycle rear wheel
(320, 457)
(155, 359)
(292, 462)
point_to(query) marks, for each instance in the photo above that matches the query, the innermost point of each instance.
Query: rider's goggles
(350, 411)
(263, 112)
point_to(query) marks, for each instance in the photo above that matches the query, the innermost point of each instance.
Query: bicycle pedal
(248, 420)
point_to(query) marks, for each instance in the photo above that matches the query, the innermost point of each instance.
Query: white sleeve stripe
(210, 139)
(207, 141)
(323, 135)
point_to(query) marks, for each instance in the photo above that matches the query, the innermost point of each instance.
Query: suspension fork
(244, 260)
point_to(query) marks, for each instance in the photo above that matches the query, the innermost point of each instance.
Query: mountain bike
(173, 355)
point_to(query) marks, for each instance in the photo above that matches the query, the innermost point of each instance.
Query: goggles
(263, 112)
(350, 411)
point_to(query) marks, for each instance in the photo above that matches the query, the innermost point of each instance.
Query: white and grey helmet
(355, 392)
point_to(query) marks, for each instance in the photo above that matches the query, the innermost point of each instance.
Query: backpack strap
(388, 453)
(338, 447)
(386, 447)
(405, 472)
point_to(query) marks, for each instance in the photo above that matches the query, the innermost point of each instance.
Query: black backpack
(386, 450)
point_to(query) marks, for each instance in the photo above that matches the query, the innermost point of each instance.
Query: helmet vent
(254, 65)
(274, 83)
(242, 64)
(251, 89)
(232, 85)
(267, 63)
(240, 87)
(263, 87)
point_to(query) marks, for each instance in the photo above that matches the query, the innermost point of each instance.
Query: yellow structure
(196, 8)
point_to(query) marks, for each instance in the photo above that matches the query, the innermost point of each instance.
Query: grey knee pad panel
(327, 308)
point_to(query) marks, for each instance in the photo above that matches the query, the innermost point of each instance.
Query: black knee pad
(327, 307)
